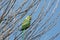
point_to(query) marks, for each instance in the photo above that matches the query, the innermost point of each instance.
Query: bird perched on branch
(26, 23)
(1, 19)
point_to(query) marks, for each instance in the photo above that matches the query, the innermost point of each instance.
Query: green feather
(0, 20)
(26, 23)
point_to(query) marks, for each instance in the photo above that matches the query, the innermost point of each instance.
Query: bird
(26, 23)
(0, 20)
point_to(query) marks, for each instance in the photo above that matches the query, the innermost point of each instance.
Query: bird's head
(28, 17)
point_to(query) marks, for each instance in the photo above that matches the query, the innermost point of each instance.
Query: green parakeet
(0, 20)
(26, 23)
